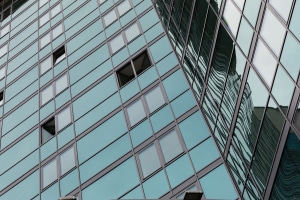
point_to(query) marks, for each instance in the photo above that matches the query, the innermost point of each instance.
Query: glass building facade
(141, 99)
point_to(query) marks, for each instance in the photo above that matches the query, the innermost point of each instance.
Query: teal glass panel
(218, 178)
(19, 169)
(72, 7)
(149, 160)
(101, 136)
(147, 77)
(154, 99)
(19, 130)
(61, 66)
(137, 193)
(161, 118)
(290, 56)
(94, 97)
(136, 45)
(45, 78)
(79, 24)
(88, 64)
(140, 133)
(136, 112)
(65, 136)
(104, 158)
(51, 193)
(91, 77)
(97, 113)
(69, 183)
(26, 189)
(282, 92)
(67, 160)
(170, 146)
(119, 57)
(115, 183)
(166, 64)
(18, 151)
(183, 103)
(194, 130)
(142, 7)
(153, 32)
(175, 171)
(86, 48)
(125, 19)
(80, 14)
(160, 49)
(294, 21)
(113, 28)
(203, 154)
(48, 148)
(175, 84)
(22, 83)
(62, 98)
(244, 37)
(47, 110)
(19, 114)
(129, 90)
(156, 186)
(49, 173)
(251, 11)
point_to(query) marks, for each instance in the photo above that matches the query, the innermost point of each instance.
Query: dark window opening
(59, 55)
(6, 13)
(129, 72)
(48, 130)
(125, 74)
(1, 98)
(141, 63)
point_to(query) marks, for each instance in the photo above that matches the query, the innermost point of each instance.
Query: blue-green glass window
(136, 112)
(149, 160)
(156, 186)
(217, 184)
(49, 173)
(67, 160)
(170, 146)
(154, 99)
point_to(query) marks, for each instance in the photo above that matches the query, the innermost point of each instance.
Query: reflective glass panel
(57, 31)
(4, 31)
(264, 62)
(3, 50)
(123, 7)
(232, 17)
(55, 10)
(294, 24)
(63, 118)
(67, 160)
(136, 112)
(45, 18)
(154, 99)
(132, 31)
(170, 146)
(61, 84)
(149, 160)
(45, 40)
(109, 17)
(49, 173)
(2, 72)
(47, 94)
(116, 43)
(273, 32)
(282, 7)
(45, 65)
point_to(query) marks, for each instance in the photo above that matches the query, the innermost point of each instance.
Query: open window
(59, 55)
(48, 130)
(133, 68)
(1, 98)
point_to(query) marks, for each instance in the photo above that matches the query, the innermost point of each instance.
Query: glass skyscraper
(147, 99)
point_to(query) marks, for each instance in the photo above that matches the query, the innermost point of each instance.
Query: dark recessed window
(133, 68)
(141, 63)
(48, 130)
(1, 98)
(59, 55)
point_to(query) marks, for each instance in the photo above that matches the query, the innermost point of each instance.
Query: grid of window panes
(240, 56)
(68, 127)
